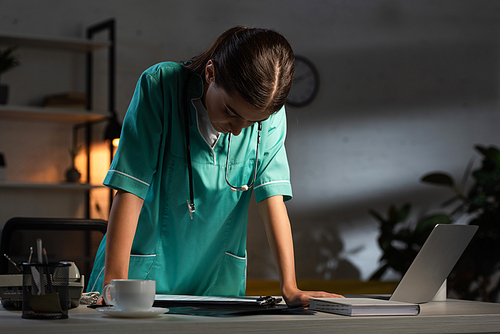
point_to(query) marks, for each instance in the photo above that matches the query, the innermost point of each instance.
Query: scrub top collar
(205, 127)
(203, 124)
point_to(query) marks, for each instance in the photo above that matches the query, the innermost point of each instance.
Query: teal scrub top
(205, 255)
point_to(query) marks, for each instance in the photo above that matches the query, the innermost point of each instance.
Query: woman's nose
(237, 126)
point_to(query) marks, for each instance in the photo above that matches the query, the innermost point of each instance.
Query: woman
(186, 159)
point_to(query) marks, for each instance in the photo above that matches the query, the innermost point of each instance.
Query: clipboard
(214, 302)
(226, 306)
(223, 306)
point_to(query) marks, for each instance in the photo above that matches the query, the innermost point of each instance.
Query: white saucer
(111, 311)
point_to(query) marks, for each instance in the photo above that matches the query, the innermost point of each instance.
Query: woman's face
(228, 113)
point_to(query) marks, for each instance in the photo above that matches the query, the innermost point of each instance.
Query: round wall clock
(305, 85)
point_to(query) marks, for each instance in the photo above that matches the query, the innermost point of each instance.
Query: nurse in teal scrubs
(197, 138)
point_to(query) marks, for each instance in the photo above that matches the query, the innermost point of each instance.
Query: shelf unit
(77, 118)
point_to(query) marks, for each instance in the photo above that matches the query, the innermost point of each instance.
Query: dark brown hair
(258, 64)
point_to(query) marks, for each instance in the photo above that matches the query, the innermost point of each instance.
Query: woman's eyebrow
(234, 112)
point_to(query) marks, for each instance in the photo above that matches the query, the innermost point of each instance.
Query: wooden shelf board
(51, 114)
(72, 44)
(54, 186)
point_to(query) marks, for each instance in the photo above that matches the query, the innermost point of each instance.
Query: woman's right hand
(100, 301)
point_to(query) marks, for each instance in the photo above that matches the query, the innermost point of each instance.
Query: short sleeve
(135, 162)
(273, 176)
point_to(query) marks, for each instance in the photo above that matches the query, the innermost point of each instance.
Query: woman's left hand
(299, 298)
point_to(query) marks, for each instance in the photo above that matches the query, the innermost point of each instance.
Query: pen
(31, 254)
(45, 258)
(39, 250)
(15, 264)
(47, 272)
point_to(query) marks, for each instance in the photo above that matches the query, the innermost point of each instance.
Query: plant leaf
(376, 215)
(404, 212)
(466, 175)
(459, 210)
(393, 214)
(426, 224)
(7, 60)
(441, 179)
(483, 150)
(450, 201)
(379, 272)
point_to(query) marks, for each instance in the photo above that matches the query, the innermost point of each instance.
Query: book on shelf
(363, 306)
(69, 100)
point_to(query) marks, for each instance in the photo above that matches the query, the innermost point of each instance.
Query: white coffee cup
(130, 295)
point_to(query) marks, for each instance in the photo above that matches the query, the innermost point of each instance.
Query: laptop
(433, 263)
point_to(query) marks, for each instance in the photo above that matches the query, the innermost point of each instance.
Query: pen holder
(45, 290)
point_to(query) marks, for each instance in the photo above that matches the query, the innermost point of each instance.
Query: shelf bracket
(110, 26)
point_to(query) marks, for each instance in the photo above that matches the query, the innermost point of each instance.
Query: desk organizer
(45, 290)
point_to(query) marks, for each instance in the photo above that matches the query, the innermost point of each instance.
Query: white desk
(452, 316)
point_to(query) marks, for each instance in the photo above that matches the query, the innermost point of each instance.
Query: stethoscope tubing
(249, 186)
(187, 118)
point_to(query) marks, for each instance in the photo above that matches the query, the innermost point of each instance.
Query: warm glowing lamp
(113, 130)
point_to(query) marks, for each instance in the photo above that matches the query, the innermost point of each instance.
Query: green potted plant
(72, 174)
(478, 204)
(7, 62)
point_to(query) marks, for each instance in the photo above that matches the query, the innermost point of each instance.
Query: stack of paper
(363, 306)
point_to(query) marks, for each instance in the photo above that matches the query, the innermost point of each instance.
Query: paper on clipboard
(188, 300)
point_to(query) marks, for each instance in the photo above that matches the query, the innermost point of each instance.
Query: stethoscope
(187, 119)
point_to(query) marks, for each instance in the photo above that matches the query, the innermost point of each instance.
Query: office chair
(71, 239)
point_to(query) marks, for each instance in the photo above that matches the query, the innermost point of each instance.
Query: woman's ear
(210, 71)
